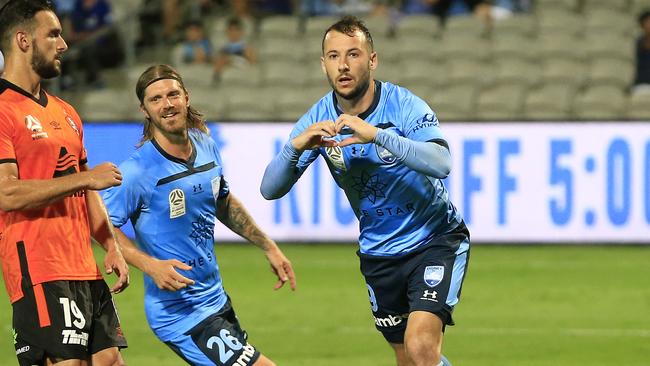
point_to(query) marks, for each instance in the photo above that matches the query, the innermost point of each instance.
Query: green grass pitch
(521, 306)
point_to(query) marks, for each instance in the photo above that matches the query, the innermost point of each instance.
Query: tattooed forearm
(232, 213)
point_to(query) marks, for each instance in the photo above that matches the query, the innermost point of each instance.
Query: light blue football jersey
(171, 204)
(398, 208)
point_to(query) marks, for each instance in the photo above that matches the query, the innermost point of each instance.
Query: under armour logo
(430, 295)
(358, 150)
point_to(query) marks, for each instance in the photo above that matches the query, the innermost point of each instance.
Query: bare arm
(27, 194)
(232, 213)
(101, 229)
(163, 272)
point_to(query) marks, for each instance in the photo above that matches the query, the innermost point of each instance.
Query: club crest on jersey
(335, 156)
(34, 125)
(176, 203)
(385, 155)
(216, 185)
(433, 275)
(72, 124)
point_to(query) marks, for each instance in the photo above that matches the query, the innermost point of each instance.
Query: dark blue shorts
(217, 340)
(429, 279)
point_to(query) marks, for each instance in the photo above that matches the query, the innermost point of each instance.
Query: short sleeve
(7, 151)
(224, 188)
(419, 122)
(124, 201)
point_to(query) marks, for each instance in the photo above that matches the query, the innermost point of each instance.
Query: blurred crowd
(188, 34)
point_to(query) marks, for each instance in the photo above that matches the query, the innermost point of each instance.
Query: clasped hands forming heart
(320, 134)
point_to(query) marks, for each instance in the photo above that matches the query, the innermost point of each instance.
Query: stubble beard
(42, 67)
(357, 92)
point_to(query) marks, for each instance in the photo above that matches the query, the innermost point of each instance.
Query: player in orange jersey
(63, 311)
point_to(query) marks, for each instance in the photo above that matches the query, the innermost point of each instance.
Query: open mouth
(169, 115)
(345, 80)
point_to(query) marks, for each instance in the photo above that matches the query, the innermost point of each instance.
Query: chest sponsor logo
(369, 186)
(202, 233)
(433, 275)
(35, 127)
(176, 203)
(335, 156)
(385, 155)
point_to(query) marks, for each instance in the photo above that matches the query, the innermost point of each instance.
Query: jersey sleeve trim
(4, 161)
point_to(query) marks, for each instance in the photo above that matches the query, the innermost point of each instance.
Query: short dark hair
(16, 13)
(644, 16)
(348, 25)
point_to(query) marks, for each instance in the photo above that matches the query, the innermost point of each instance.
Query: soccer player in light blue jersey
(384, 148)
(173, 190)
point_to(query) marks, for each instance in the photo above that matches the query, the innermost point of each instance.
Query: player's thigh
(53, 319)
(425, 328)
(264, 361)
(108, 357)
(400, 354)
(53, 362)
(386, 283)
(106, 330)
(218, 340)
(436, 279)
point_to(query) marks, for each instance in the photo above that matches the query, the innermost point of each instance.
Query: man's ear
(23, 41)
(373, 61)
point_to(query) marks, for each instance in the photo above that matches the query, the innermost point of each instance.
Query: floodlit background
(545, 105)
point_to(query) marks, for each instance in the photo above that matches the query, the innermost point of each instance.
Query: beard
(357, 92)
(177, 129)
(44, 68)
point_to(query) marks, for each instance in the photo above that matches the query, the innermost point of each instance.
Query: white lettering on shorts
(246, 355)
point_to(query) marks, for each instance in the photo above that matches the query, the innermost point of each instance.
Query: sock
(444, 361)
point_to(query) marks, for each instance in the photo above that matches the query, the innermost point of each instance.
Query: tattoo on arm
(232, 213)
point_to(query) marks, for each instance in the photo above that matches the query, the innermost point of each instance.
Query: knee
(422, 351)
(118, 361)
(263, 361)
(109, 359)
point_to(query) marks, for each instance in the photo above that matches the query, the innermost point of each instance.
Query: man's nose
(343, 64)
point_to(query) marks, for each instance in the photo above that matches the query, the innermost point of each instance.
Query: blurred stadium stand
(566, 59)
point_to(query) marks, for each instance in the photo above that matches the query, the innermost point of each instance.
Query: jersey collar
(188, 163)
(367, 112)
(6, 84)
